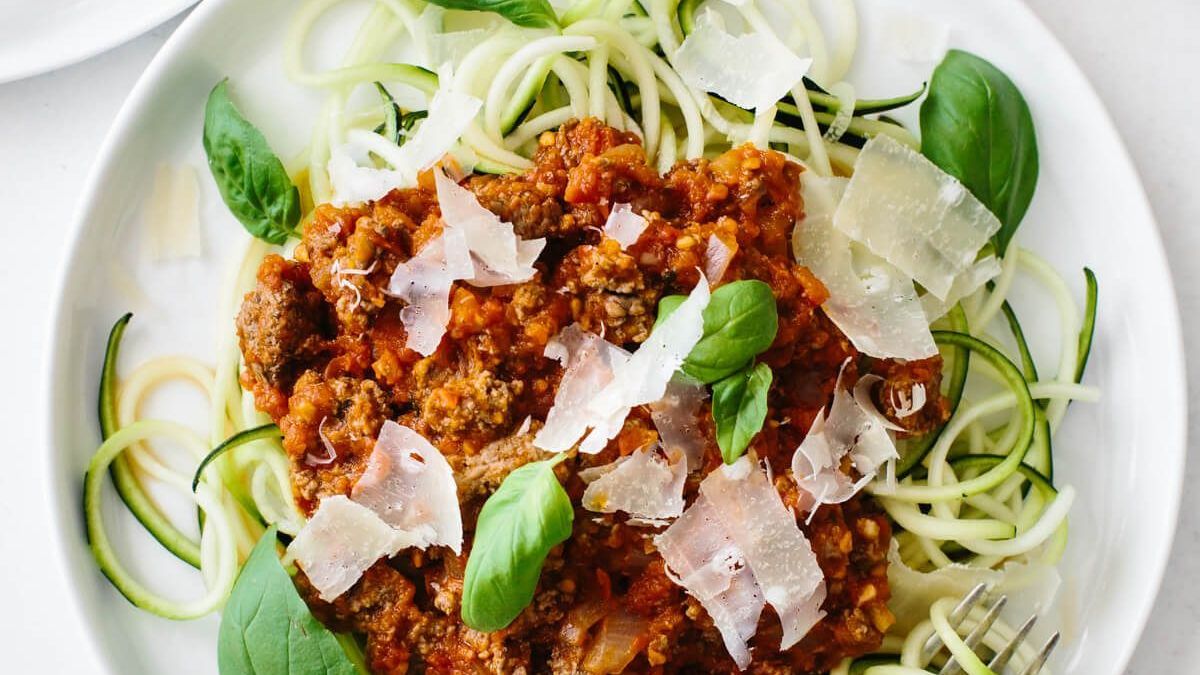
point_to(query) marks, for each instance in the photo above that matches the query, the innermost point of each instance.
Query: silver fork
(973, 598)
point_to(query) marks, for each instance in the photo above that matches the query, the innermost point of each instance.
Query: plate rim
(148, 83)
(160, 13)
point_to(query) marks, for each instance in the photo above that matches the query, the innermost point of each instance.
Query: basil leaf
(526, 517)
(251, 179)
(739, 323)
(739, 408)
(528, 13)
(976, 126)
(266, 629)
(666, 307)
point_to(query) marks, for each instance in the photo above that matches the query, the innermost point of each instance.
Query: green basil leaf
(251, 179)
(266, 629)
(526, 517)
(976, 126)
(528, 13)
(667, 307)
(739, 323)
(739, 408)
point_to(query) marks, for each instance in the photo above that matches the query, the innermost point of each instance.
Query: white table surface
(1142, 57)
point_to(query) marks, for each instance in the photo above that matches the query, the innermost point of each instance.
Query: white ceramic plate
(1125, 454)
(37, 36)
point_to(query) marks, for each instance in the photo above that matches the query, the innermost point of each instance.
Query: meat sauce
(325, 357)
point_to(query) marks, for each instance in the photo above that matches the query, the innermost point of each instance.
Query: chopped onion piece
(717, 256)
(624, 225)
(752, 71)
(676, 417)
(623, 635)
(703, 559)
(773, 546)
(342, 540)
(645, 485)
(873, 304)
(912, 214)
(411, 486)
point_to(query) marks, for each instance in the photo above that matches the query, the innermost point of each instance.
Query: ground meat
(282, 327)
(326, 357)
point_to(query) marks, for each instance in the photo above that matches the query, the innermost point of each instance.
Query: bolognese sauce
(325, 356)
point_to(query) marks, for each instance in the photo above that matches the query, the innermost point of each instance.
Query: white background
(1142, 58)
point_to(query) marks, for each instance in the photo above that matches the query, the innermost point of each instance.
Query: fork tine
(976, 635)
(1001, 659)
(1035, 666)
(934, 643)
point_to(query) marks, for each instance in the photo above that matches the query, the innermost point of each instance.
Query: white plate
(1125, 454)
(37, 36)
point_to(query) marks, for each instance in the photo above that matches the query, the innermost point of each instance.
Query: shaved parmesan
(409, 484)
(645, 485)
(450, 113)
(850, 429)
(775, 549)
(870, 301)
(624, 225)
(751, 71)
(676, 416)
(717, 256)
(475, 246)
(982, 271)
(424, 281)
(501, 257)
(603, 382)
(589, 362)
(703, 559)
(342, 540)
(913, 215)
(172, 213)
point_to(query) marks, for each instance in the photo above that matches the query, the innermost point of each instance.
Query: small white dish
(37, 36)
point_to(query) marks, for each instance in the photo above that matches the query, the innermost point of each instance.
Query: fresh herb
(266, 629)
(527, 13)
(526, 517)
(739, 407)
(739, 323)
(977, 127)
(251, 179)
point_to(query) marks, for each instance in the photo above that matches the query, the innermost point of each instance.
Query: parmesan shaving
(624, 226)
(703, 559)
(676, 416)
(852, 428)
(645, 485)
(912, 214)
(773, 546)
(908, 403)
(172, 213)
(752, 70)
(409, 484)
(339, 542)
(870, 301)
(500, 256)
(982, 271)
(603, 382)
(450, 113)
